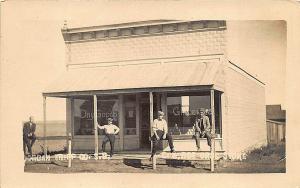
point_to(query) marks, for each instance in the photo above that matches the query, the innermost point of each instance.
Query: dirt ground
(145, 166)
(268, 159)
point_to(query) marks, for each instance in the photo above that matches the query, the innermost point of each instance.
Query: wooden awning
(136, 77)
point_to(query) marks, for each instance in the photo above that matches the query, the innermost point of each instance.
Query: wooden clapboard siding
(245, 103)
(131, 142)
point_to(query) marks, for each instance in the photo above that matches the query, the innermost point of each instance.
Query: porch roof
(139, 76)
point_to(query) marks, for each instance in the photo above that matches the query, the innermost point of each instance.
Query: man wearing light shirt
(160, 132)
(110, 131)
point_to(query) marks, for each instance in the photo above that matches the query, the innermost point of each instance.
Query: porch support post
(137, 117)
(151, 115)
(121, 121)
(95, 125)
(151, 131)
(212, 147)
(151, 111)
(45, 125)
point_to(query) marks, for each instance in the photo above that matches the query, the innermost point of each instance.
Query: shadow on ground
(136, 163)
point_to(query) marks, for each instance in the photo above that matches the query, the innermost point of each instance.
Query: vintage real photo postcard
(143, 94)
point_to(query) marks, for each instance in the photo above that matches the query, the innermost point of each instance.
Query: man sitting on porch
(202, 129)
(110, 131)
(160, 132)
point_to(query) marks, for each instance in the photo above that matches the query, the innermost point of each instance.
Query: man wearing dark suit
(28, 135)
(202, 129)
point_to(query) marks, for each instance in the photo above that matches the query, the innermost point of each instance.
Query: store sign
(89, 115)
(177, 112)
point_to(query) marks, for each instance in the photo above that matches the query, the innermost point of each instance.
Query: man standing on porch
(160, 132)
(110, 131)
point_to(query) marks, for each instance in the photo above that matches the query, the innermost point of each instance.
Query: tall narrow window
(130, 114)
(83, 116)
(107, 107)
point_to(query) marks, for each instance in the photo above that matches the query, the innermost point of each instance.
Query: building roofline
(134, 29)
(120, 25)
(244, 71)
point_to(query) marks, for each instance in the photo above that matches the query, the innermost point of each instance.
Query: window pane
(182, 111)
(106, 109)
(83, 117)
(130, 114)
(218, 114)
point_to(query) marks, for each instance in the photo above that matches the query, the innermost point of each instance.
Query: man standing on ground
(110, 131)
(28, 135)
(160, 132)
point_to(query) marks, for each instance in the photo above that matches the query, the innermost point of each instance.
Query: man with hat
(202, 129)
(28, 135)
(110, 131)
(160, 132)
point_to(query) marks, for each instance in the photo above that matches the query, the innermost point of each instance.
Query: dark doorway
(145, 119)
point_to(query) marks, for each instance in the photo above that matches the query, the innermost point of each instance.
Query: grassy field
(54, 129)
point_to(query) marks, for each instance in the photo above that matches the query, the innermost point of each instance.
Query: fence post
(45, 126)
(69, 151)
(154, 162)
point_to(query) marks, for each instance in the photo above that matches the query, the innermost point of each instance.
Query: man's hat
(109, 119)
(160, 113)
(201, 110)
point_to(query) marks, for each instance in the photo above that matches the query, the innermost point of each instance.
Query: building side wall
(219, 77)
(147, 47)
(246, 121)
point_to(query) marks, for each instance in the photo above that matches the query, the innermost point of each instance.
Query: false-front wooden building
(129, 71)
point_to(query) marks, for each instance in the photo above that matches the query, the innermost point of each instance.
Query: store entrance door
(145, 125)
(145, 121)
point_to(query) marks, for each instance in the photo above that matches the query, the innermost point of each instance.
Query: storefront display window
(107, 108)
(83, 114)
(183, 109)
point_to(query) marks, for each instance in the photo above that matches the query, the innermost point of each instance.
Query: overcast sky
(34, 49)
